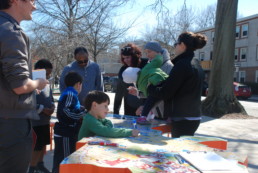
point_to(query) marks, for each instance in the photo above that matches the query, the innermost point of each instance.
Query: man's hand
(31, 85)
(42, 83)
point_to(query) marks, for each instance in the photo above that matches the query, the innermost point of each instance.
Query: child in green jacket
(150, 74)
(95, 122)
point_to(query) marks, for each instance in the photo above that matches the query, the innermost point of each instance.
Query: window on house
(256, 76)
(244, 32)
(235, 76)
(212, 36)
(211, 55)
(201, 57)
(237, 31)
(242, 76)
(236, 54)
(243, 53)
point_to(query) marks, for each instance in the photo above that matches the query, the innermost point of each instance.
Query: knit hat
(154, 46)
(130, 74)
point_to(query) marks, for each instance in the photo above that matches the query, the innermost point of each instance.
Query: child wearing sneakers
(45, 108)
(69, 113)
(95, 122)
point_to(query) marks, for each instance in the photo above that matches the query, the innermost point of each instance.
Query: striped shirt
(69, 112)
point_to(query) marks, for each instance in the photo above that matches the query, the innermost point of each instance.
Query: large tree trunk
(220, 99)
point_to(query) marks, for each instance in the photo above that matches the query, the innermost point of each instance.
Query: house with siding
(246, 50)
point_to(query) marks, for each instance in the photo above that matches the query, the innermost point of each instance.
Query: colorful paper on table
(132, 154)
(139, 154)
(150, 152)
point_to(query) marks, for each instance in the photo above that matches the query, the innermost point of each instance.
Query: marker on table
(179, 159)
(134, 124)
(102, 143)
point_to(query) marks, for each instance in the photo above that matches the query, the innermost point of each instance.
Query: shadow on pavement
(206, 119)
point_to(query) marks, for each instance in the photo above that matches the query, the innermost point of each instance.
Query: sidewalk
(242, 136)
(253, 98)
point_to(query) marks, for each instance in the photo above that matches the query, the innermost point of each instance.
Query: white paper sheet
(36, 74)
(211, 162)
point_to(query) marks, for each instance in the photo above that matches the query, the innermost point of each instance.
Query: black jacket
(183, 87)
(131, 103)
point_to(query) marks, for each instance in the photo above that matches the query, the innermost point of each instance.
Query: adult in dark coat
(183, 86)
(130, 57)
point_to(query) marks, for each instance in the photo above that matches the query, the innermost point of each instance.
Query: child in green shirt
(95, 122)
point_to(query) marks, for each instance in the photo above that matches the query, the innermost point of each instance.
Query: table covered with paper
(150, 152)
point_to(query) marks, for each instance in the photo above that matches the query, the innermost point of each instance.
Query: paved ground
(242, 136)
(250, 105)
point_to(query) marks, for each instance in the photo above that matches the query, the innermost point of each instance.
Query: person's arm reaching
(100, 130)
(30, 86)
(107, 123)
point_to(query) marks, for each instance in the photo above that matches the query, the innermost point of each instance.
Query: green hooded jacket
(151, 74)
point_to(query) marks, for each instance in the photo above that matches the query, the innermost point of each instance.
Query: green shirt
(151, 74)
(92, 126)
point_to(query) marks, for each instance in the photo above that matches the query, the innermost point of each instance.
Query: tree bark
(221, 99)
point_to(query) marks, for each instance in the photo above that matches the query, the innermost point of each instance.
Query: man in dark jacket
(17, 101)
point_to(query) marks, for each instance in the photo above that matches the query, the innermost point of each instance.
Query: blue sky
(146, 17)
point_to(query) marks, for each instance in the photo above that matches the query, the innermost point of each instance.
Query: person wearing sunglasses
(89, 70)
(183, 86)
(18, 90)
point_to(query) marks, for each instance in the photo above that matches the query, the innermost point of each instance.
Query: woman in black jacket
(130, 57)
(183, 86)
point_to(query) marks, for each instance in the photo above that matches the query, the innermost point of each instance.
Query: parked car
(106, 79)
(111, 83)
(241, 91)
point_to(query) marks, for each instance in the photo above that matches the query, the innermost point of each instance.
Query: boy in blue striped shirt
(69, 113)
